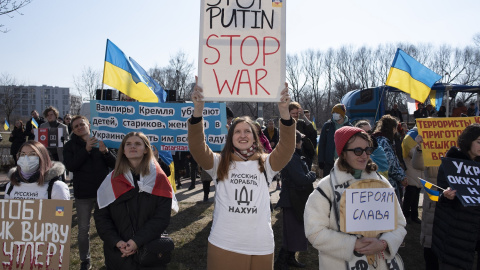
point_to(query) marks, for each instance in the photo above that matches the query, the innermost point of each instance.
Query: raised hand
(197, 99)
(284, 102)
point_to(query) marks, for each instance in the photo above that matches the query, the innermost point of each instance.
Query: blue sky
(55, 39)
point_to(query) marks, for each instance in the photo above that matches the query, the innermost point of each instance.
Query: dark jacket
(274, 138)
(295, 175)
(29, 127)
(89, 169)
(326, 145)
(139, 216)
(17, 138)
(455, 227)
(308, 130)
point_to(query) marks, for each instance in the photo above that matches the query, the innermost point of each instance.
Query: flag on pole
(34, 123)
(313, 123)
(6, 126)
(129, 78)
(432, 194)
(408, 75)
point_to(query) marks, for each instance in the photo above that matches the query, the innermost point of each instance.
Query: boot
(292, 261)
(281, 261)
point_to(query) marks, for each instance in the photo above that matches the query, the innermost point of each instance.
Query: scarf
(155, 183)
(245, 154)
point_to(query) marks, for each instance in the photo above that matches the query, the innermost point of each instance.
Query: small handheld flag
(408, 75)
(6, 126)
(34, 123)
(432, 194)
(313, 123)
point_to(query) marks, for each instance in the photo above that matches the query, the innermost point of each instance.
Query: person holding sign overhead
(456, 232)
(241, 236)
(36, 175)
(133, 211)
(336, 249)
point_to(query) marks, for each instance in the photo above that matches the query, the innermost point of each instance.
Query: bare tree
(87, 83)
(295, 78)
(75, 104)
(476, 39)
(10, 94)
(7, 7)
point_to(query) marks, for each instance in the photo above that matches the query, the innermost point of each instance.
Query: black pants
(431, 260)
(410, 202)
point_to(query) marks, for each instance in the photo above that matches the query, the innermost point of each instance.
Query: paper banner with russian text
(439, 135)
(35, 234)
(242, 50)
(165, 124)
(464, 177)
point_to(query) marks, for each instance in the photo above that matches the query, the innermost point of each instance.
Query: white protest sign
(242, 50)
(370, 209)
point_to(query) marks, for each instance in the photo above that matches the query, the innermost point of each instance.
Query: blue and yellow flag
(432, 194)
(6, 126)
(408, 75)
(34, 123)
(409, 141)
(166, 157)
(124, 75)
(313, 123)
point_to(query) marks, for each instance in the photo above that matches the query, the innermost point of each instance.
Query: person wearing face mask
(326, 144)
(36, 175)
(51, 114)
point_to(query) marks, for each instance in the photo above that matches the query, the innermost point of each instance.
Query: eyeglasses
(359, 151)
(31, 154)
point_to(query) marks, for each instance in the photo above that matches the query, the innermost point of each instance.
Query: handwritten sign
(164, 124)
(464, 177)
(440, 134)
(35, 234)
(242, 50)
(370, 209)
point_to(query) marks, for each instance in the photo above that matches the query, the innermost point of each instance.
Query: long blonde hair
(123, 164)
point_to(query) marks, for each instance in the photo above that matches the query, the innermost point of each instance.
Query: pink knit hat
(343, 135)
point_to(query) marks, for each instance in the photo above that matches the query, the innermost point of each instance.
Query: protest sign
(35, 234)
(440, 134)
(242, 50)
(49, 137)
(165, 124)
(464, 177)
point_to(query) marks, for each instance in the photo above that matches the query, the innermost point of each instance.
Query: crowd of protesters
(131, 222)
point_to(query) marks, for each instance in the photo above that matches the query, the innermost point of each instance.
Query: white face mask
(28, 164)
(336, 116)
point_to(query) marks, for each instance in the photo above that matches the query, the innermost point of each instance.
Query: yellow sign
(440, 134)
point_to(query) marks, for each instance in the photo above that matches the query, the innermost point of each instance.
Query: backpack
(49, 188)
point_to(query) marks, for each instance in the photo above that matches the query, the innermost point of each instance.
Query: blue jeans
(84, 213)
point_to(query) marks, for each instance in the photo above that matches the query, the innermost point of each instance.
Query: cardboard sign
(35, 234)
(370, 209)
(49, 137)
(464, 177)
(242, 50)
(440, 134)
(165, 124)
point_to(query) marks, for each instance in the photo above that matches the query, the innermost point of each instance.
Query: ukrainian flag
(34, 123)
(432, 194)
(313, 123)
(125, 76)
(409, 141)
(408, 75)
(166, 157)
(6, 126)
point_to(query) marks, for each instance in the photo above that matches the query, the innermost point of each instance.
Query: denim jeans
(84, 213)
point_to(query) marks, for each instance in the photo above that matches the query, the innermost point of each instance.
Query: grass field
(189, 228)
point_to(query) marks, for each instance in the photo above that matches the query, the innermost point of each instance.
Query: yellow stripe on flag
(403, 81)
(172, 176)
(123, 81)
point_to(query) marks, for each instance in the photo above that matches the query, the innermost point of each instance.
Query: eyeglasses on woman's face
(359, 151)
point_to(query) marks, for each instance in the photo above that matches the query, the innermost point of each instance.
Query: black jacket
(455, 227)
(275, 136)
(29, 127)
(139, 216)
(17, 138)
(89, 169)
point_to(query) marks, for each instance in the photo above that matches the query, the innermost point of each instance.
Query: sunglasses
(359, 151)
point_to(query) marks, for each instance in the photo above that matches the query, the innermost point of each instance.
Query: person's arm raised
(197, 99)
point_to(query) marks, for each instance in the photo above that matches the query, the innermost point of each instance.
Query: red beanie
(343, 135)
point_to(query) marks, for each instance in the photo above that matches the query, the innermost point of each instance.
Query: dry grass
(189, 228)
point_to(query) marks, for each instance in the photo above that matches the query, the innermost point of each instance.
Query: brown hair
(22, 128)
(45, 163)
(385, 125)
(226, 154)
(76, 117)
(294, 105)
(342, 162)
(468, 136)
(123, 165)
(50, 109)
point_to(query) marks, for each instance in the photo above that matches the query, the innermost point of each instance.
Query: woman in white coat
(336, 249)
